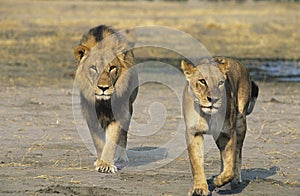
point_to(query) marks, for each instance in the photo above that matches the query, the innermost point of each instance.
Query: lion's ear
(80, 51)
(126, 58)
(188, 69)
(223, 64)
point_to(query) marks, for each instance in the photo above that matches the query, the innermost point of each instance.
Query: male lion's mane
(108, 120)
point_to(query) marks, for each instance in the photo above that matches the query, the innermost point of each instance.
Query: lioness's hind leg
(227, 147)
(241, 127)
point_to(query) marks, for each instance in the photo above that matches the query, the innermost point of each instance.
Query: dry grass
(260, 30)
(39, 36)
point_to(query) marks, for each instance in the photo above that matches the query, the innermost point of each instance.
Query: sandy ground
(42, 152)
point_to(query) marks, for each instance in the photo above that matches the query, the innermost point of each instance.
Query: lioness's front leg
(105, 163)
(196, 156)
(227, 146)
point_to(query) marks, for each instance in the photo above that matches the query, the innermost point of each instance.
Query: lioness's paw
(198, 192)
(104, 167)
(218, 181)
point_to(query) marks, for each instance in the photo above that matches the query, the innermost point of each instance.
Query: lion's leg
(241, 128)
(112, 136)
(227, 147)
(121, 154)
(96, 131)
(99, 141)
(196, 155)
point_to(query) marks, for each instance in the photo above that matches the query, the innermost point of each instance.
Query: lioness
(218, 96)
(108, 88)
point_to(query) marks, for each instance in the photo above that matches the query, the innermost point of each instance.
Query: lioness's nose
(103, 88)
(213, 100)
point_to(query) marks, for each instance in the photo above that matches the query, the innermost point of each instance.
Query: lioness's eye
(111, 68)
(202, 81)
(221, 83)
(94, 68)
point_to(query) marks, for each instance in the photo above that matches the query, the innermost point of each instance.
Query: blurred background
(37, 38)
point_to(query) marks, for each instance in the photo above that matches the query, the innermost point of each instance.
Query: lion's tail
(254, 95)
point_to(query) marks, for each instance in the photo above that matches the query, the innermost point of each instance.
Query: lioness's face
(207, 83)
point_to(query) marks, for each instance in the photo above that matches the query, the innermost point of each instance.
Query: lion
(217, 97)
(108, 86)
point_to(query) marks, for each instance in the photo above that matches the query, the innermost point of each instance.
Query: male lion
(218, 96)
(108, 87)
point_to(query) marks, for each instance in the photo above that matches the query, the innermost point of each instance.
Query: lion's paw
(121, 163)
(121, 159)
(104, 167)
(121, 155)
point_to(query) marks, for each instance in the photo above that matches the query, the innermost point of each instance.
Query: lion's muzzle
(103, 92)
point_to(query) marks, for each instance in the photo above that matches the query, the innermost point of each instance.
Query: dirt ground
(42, 150)
(42, 153)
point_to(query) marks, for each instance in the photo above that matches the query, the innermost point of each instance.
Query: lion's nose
(103, 88)
(213, 100)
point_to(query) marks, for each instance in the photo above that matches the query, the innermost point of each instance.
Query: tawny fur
(108, 87)
(218, 96)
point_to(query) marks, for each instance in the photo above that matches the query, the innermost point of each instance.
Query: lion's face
(102, 74)
(102, 62)
(106, 83)
(103, 71)
(207, 83)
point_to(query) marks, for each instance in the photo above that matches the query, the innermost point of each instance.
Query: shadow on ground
(139, 156)
(248, 175)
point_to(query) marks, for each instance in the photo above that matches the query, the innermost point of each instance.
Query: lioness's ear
(187, 69)
(223, 64)
(80, 51)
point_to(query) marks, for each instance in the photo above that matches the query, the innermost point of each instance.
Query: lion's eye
(111, 68)
(202, 81)
(93, 68)
(221, 83)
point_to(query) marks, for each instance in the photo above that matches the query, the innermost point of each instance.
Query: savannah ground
(41, 151)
